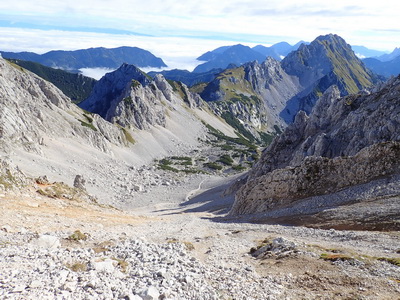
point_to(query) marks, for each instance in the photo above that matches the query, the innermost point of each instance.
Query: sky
(179, 31)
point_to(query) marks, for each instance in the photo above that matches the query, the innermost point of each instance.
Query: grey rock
(151, 293)
(79, 182)
(343, 143)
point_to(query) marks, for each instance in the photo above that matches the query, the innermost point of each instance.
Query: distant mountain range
(278, 51)
(384, 68)
(91, 58)
(364, 52)
(186, 77)
(222, 57)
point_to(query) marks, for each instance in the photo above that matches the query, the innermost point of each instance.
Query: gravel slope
(182, 249)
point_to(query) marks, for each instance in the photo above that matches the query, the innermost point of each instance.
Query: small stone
(106, 266)
(151, 293)
(47, 241)
(42, 180)
(138, 188)
(19, 288)
(35, 284)
(6, 228)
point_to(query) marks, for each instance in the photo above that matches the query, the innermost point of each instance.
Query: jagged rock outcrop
(33, 110)
(344, 143)
(129, 97)
(315, 176)
(110, 86)
(274, 86)
(336, 127)
(251, 97)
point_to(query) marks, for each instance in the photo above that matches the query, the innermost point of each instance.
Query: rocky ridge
(280, 89)
(344, 143)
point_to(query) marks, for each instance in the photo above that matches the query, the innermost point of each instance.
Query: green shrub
(226, 160)
(213, 165)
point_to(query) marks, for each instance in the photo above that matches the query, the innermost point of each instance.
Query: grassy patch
(238, 168)
(128, 136)
(89, 125)
(393, 261)
(78, 267)
(77, 236)
(122, 264)
(335, 257)
(8, 181)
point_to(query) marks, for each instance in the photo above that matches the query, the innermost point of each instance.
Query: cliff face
(345, 142)
(33, 110)
(252, 96)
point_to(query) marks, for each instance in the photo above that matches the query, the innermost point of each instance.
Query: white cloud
(95, 73)
(370, 23)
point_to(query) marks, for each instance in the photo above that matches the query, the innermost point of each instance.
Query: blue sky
(183, 30)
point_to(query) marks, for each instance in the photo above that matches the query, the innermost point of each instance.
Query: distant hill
(91, 58)
(364, 52)
(222, 57)
(188, 78)
(76, 86)
(388, 57)
(278, 51)
(386, 68)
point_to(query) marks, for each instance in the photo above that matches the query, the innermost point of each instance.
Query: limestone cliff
(33, 111)
(251, 97)
(344, 143)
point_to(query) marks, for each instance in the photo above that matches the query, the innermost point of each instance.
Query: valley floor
(178, 245)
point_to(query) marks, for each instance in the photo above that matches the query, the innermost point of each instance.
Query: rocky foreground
(60, 248)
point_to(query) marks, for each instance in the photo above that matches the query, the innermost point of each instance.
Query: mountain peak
(110, 85)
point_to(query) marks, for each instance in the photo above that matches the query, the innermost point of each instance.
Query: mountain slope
(91, 58)
(75, 86)
(132, 99)
(343, 153)
(38, 122)
(326, 61)
(251, 97)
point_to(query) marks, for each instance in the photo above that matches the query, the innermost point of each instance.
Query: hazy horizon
(171, 29)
